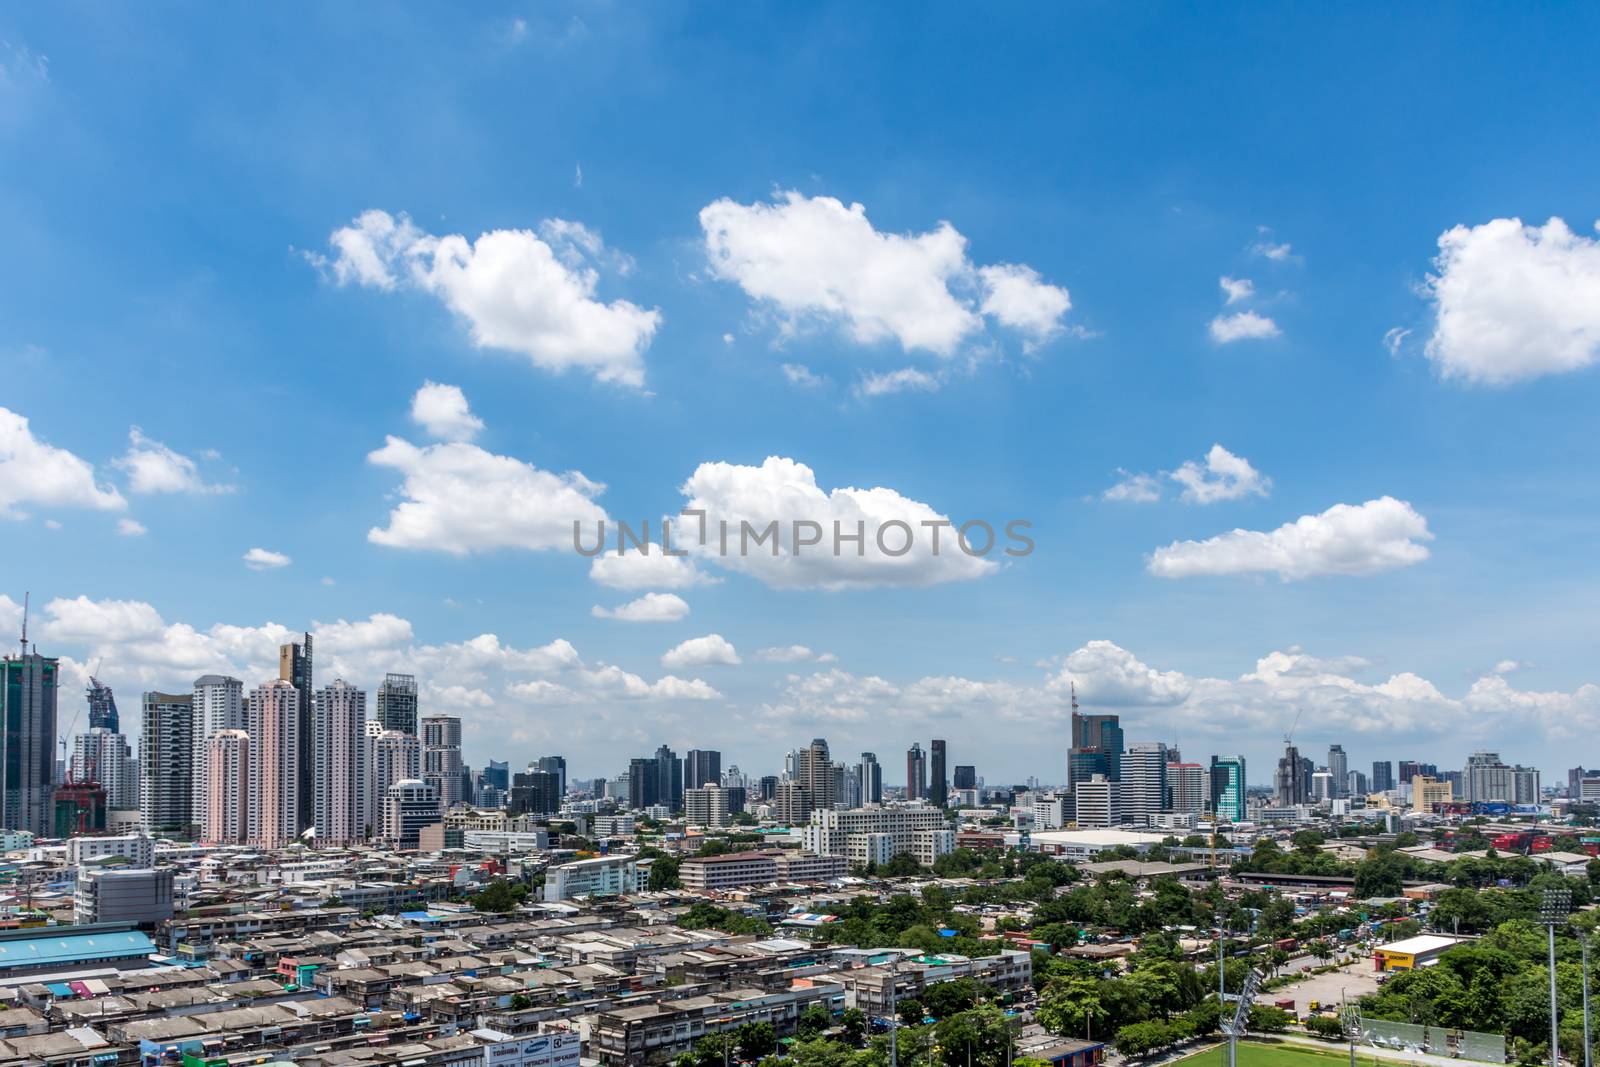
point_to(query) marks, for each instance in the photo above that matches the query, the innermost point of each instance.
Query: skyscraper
(916, 773)
(1144, 782)
(294, 667)
(395, 757)
(274, 728)
(700, 766)
(669, 779)
(938, 783)
(218, 704)
(101, 755)
(1339, 771)
(1292, 783)
(397, 703)
(1186, 788)
(965, 776)
(643, 777)
(1382, 776)
(102, 707)
(871, 775)
(340, 751)
(166, 763)
(28, 691)
(814, 774)
(1097, 746)
(534, 793)
(226, 820)
(441, 758)
(1228, 784)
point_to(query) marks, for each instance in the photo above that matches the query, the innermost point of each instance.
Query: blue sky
(174, 191)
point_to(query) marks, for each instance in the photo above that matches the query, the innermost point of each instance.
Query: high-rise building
(965, 776)
(792, 804)
(1186, 788)
(1292, 783)
(102, 707)
(1228, 784)
(643, 778)
(1575, 777)
(938, 783)
(871, 774)
(226, 820)
(340, 751)
(702, 766)
(556, 765)
(409, 807)
(1486, 779)
(1382, 776)
(814, 773)
(294, 667)
(28, 692)
(916, 772)
(274, 728)
(669, 779)
(394, 756)
(1098, 737)
(534, 793)
(441, 758)
(218, 704)
(1097, 802)
(1525, 788)
(706, 805)
(166, 763)
(396, 704)
(102, 756)
(1144, 782)
(1338, 771)
(497, 775)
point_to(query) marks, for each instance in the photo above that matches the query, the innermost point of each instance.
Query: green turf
(1258, 1054)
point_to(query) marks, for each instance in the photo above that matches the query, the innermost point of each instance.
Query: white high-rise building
(1143, 795)
(1186, 788)
(226, 820)
(441, 757)
(340, 750)
(395, 757)
(870, 772)
(218, 705)
(274, 728)
(706, 806)
(101, 755)
(1097, 802)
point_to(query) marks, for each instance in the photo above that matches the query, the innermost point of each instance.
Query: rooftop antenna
(1074, 697)
(25, 597)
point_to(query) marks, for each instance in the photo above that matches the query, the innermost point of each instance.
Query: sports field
(1254, 1054)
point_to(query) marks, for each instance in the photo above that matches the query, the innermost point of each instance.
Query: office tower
(396, 704)
(1410, 769)
(1098, 740)
(767, 787)
(409, 806)
(1338, 771)
(966, 776)
(643, 776)
(1228, 784)
(1355, 784)
(497, 775)
(340, 749)
(938, 781)
(1144, 782)
(556, 765)
(737, 798)
(166, 763)
(733, 778)
(395, 756)
(28, 692)
(814, 774)
(294, 667)
(441, 758)
(226, 820)
(102, 707)
(706, 805)
(534, 793)
(792, 804)
(1575, 777)
(218, 704)
(871, 775)
(1097, 802)
(274, 728)
(1321, 785)
(702, 766)
(916, 773)
(669, 779)
(1382, 776)
(1525, 788)
(1292, 783)
(102, 756)
(1427, 791)
(1186, 788)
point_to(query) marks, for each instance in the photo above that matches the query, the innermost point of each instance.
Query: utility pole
(1553, 913)
(1588, 1047)
(894, 1017)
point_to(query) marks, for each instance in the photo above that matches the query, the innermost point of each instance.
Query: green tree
(813, 1021)
(664, 873)
(979, 1036)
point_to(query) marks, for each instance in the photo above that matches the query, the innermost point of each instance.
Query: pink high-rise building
(226, 820)
(275, 757)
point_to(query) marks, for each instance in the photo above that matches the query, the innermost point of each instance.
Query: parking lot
(1352, 982)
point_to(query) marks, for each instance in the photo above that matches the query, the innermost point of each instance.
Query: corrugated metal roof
(50, 948)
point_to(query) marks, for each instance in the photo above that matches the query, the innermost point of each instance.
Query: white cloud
(1242, 326)
(800, 374)
(35, 473)
(712, 649)
(152, 467)
(442, 410)
(1237, 289)
(782, 491)
(1514, 302)
(127, 527)
(261, 559)
(1134, 489)
(1224, 476)
(652, 607)
(814, 259)
(792, 654)
(650, 569)
(460, 499)
(1346, 540)
(1393, 338)
(1273, 250)
(514, 290)
(1108, 675)
(904, 380)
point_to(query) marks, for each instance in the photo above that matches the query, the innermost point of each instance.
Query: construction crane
(1288, 738)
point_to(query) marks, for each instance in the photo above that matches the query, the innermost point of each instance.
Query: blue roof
(52, 948)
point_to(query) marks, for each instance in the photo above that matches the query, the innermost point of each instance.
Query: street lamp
(1587, 1046)
(1553, 913)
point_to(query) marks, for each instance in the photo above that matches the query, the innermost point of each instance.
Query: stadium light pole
(1588, 1047)
(1552, 913)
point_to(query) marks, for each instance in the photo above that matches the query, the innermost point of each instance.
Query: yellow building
(1426, 792)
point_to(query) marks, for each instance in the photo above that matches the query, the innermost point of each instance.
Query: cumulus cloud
(442, 410)
(712, 649)
(517, 290)
(1514, 302)
(34, 473)
(650, 568)
(1223, 476)
(652, 607)
(1236, 289)
(1347, 539)
(1134, 488)
(152, 467)
(263, 559)
(792, 654)
(1106, 674)
(782, 491)
(127, 527)
(1242, 326)
(813, 259)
